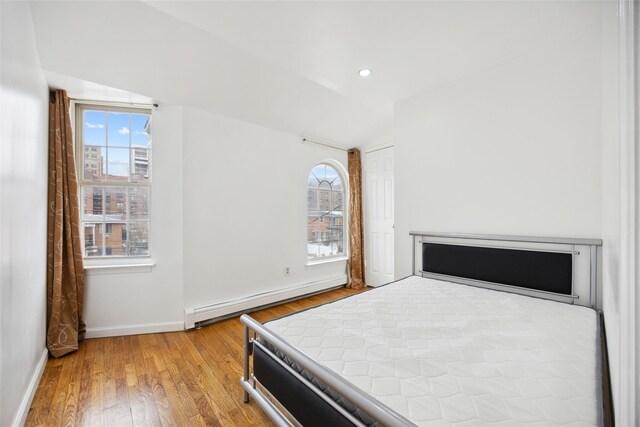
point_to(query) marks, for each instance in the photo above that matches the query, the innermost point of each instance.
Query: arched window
(325, 208)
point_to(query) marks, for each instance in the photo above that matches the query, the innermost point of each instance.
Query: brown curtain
(356, 232)
(65, 272)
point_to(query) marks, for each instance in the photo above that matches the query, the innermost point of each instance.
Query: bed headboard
(559, 269)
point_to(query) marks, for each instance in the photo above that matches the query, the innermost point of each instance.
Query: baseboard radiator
(221, 310)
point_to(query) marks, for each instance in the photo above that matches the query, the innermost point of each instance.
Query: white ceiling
(293, 66)
(411, 46)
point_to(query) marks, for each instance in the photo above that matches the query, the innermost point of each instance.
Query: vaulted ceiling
(292, 66)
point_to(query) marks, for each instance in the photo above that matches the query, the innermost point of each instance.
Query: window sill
(118, 266)
(319, 262)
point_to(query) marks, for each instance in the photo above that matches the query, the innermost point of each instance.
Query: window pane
(93, 240)
(324, 185)
(94, 167)
(140, 128)
(330, 173)
(324, 200)
(118, 164)
(95, 128)
(336, 201)
(138, 203)
(115, 204)
(319, 172)
(141, 165)
(138, 238)
(92, 204)
(312, 199)
(119, 130)
(114, 242)
(312, 182)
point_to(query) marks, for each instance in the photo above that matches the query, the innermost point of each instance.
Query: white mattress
(440, 353)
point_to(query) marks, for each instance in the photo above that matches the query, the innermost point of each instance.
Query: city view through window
(115, 180)
(325, 222)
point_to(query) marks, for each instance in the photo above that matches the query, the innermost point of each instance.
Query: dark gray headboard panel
(542, 271)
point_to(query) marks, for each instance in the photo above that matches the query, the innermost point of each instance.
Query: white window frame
(342, 174)
(114, 263)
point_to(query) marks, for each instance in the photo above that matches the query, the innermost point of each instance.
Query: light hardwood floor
(189, 378)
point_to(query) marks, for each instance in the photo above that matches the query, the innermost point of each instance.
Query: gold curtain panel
(65, 270)
(356, 232)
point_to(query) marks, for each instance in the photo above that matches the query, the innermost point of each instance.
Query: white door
(378, 213)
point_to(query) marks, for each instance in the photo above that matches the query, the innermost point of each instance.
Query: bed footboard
(274, 385)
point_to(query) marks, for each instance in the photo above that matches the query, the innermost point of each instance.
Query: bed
(489, 330)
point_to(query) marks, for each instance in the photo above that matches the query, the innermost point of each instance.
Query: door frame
(629, 126)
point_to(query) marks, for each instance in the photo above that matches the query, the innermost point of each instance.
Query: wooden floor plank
(83, 414)
(189, 378)
(43, 400)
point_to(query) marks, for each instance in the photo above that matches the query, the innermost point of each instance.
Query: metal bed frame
(584, 291)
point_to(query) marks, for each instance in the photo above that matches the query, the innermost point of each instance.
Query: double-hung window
(113, 151)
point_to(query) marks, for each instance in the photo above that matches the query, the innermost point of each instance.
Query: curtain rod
(324, 144)
(97, 101)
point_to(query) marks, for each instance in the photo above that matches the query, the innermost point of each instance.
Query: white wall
(514, 149)
(23, 211)
(245, 204)
(152, 301)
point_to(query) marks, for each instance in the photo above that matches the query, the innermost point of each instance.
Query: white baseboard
(213, 311)
(25, 404)
(144, 328)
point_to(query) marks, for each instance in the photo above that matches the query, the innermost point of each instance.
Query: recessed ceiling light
(365, 72)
